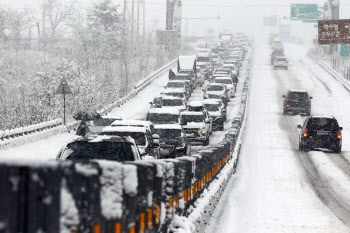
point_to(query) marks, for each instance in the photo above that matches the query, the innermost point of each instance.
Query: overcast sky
(236, 15)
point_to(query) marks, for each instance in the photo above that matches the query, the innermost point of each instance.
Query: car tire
(301, 147)
(337, 150)
(206, 142)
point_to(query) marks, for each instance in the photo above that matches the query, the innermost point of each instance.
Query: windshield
(281, 59)
(115, 151)
(192, 118)
(176, 85)
(212, 107)
(326, 124)
(140, 138)
(168, 133)
(174, 102)
(103, 122)
(215, 88)
(224, 81)
(163, 118)
(203, 59)
(297, 95)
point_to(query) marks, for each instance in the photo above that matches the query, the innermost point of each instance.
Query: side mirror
(283, 96)
(299, 127)
(311, 97)
(341, 128)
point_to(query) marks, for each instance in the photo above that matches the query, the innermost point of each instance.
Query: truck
(187, 65)
(226, 36)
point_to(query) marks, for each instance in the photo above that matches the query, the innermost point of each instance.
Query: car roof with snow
(135, 123)
(102, 138)
(173, 90)
(320, 116)
(169, 97)
(212, 101)
(223, 78)
(171, 111)
(191, 113)
(168, 126)
(196, 103)
(124, 129)
(297, 91)
(216, 84)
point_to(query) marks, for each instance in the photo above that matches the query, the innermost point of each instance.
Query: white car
(227, 81)
(280, 62)
(173, 102)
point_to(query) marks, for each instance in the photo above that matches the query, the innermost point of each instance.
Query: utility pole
(170, 6)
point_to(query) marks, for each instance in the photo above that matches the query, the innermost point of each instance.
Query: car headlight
(181, 146)
(202, 131)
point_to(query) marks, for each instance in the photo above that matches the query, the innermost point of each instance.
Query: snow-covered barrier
(338, 76)
(100, 196)
(28, 134)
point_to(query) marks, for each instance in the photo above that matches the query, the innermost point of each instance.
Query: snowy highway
(276, 188)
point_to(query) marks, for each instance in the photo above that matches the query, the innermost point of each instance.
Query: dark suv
(297, 102)
(320, 132)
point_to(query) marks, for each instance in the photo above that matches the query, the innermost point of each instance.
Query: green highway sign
(304, 11)
(345, 50)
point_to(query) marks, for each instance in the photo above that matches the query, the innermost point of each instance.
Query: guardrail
(20, 136)
(335, 74)
(111, 197)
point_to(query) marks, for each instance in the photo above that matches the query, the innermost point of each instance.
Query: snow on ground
(276, 188)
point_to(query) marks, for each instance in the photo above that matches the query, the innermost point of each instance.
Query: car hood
(194, 125)
(177, 107)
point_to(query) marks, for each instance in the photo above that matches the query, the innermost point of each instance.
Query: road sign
(345, 50)
(304, 11)
(64, 88)
(334, 31)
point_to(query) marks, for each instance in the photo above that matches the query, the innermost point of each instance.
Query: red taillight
(307, 106)
(339, 134)
(305, 133)
(288, 105)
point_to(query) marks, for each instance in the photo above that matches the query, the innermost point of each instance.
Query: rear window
(224, 81)
(176, 85)
(326, 124)
(103, 122)
(215, 88)
(174, 102)
(115, 151)
(192, 118)
(203, 59)
(298, 95)
(140, 138)
(281, 59)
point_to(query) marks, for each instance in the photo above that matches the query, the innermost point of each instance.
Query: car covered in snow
(174, 102)
(136, 123)
(216, 91)
(173, 142)
(143, 138)
(196, 127)
(280, 62)
(297, 101)
(320, 132)
(215, 113)
(177, 93)
(114, 148)
(159, 116)
(190, 79)
(178, 84)
(227, 81)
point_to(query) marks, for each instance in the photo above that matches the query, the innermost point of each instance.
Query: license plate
(295, 101)
(322, 133)
(190, 135)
